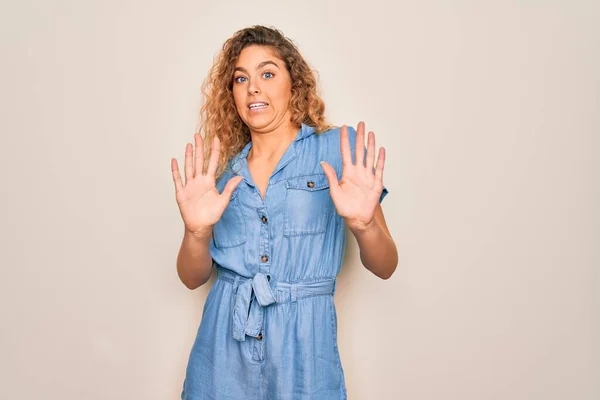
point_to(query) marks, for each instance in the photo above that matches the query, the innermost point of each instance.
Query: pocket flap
(308, 182)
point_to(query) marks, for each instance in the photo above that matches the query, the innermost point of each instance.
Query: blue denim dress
(269, 326)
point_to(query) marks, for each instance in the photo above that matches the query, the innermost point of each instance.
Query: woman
(262, 201)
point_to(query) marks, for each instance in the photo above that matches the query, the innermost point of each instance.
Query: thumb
(331, 176)
(229, 188)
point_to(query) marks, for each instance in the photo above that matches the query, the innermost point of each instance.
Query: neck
(271, 144)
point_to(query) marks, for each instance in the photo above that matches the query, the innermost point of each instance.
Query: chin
(257, 123)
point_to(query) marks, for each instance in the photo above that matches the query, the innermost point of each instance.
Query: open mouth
(258, 106)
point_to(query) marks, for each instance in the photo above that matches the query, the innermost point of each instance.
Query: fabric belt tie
(253, 294)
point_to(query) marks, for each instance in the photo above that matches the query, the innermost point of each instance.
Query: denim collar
(239, 162)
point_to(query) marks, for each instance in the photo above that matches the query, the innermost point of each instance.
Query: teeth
(258, 105)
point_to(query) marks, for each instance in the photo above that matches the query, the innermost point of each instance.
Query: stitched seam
(242, 232)
(343, 394)
(322, 218)
(310, 280)
(298, 299)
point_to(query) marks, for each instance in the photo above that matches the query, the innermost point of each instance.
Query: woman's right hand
(199, 201)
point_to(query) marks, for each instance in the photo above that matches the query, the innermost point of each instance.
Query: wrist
(199, 234)
(360, 228)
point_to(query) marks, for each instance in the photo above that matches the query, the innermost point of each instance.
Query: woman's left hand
(356, 194)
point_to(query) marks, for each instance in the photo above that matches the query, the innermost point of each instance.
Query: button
(264, 258)
(310, 184)
(259, 337)
(264, 219)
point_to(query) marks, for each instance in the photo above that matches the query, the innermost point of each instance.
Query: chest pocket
(308, 205)
(230, 231)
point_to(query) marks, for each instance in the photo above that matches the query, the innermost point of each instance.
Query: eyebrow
(262, 64)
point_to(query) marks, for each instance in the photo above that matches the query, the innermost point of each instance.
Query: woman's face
(262, 89)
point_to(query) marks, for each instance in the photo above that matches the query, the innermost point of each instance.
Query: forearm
(378, 251)
(194, 263)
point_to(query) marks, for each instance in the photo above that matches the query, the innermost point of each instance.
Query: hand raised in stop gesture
(200, 203)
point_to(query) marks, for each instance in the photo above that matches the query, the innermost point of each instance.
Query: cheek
(284, 94)
(288, 91)
(238, 98)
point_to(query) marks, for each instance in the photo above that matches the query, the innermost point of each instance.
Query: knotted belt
(252, 295)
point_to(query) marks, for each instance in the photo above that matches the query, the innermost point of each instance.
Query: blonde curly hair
(218, 114)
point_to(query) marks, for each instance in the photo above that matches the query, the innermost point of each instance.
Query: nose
(253, 88)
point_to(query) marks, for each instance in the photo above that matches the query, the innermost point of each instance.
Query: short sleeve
(352, 139)
(383, 194)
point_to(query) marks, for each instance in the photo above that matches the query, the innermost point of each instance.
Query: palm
(357, 197)
(357, 193)
(199, 201)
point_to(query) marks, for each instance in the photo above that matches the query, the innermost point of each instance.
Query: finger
(371, 151)
(345, 147)
(176, 175)
(359, 157)
(380, 163)
(198, 155)
(189, 166)
(331, 176)
(215, 150)
(229, 188)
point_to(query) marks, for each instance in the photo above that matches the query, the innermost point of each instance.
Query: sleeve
(352, 139)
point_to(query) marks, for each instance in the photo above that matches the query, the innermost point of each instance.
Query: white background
(489, 114)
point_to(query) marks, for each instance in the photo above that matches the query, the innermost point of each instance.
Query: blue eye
(239, 79)
(268, 75)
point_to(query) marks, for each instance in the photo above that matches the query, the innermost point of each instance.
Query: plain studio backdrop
(489, 112)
